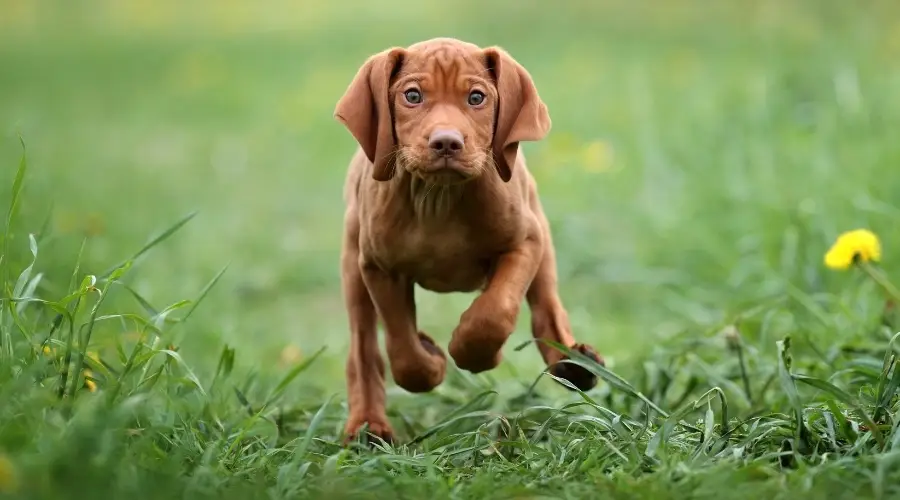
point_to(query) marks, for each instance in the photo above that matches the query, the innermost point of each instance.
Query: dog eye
(476, 98)
(413, 96)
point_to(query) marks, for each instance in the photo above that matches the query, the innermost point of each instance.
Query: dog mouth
(443, 170)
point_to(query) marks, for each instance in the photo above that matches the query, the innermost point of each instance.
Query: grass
(182, 184)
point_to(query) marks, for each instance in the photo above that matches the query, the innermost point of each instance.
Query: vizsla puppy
(438, 195)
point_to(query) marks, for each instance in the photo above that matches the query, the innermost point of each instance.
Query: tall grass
(702, 156)
(734, 412)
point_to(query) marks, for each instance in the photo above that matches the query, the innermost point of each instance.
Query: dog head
(444, 110)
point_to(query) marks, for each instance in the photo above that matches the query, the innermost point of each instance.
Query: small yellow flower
(9, 481)
(134, 336)
(860, 244)
(48, 351)
(290, 355)
(88, 381)
(597, 157)
(94, 225)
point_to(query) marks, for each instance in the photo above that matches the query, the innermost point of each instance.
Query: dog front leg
(486, 325)
(417, 363)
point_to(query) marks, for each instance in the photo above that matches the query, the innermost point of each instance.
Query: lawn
(181, 188)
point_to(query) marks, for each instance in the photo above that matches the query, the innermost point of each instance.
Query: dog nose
(445, 142)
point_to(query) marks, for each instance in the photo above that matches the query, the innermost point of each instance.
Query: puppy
(438, 195)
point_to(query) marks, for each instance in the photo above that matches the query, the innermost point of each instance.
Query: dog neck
(430, 201)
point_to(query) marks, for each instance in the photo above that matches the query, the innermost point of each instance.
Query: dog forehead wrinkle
(446, 57)
(433, 43)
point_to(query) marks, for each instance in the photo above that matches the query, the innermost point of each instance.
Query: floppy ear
(366, 112)
(521, 115)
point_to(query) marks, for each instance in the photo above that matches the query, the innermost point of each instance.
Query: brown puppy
(438, 195)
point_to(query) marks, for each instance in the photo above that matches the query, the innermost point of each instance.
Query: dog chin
(443, 171)
(444, 177)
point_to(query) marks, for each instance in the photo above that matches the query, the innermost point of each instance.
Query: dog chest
(441, 261)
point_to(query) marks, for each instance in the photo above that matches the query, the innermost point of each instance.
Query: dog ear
(365, 110)
(521, 114)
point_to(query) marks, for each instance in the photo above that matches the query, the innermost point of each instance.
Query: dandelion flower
(8, 480)
(598, 157)
(89, 383)
(290, 354)
(857, 245)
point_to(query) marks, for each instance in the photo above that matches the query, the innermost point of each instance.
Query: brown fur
(476, 225)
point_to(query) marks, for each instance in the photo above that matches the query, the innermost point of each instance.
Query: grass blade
(613, 379)
(790, 389)
(14, 200)
(26, 274)
(203, 293)
(144, 303)
(190, 373)
(311, 430)
(287, 379)
(5, 263)
(152, 243)
(845, 398)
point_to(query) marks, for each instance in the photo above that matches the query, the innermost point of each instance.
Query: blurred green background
(703, 154)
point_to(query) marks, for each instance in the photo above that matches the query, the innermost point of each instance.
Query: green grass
(702, 160)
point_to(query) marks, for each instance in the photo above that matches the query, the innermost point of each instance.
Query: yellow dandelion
(94, 225)
(857, 245)
(65, 221)
(9, 481)
(597, 157)
(290, 354)
(48, 351)
(89, 382)
(133, 336)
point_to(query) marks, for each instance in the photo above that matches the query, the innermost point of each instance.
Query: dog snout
(445, 142)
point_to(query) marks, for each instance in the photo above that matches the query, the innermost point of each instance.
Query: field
(704, 156)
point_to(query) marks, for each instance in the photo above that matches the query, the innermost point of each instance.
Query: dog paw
(474, 356)
(578, 376)
(377, 428)
(420, 374)
(477, 342)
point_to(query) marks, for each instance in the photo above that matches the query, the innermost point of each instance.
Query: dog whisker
(428, 191)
